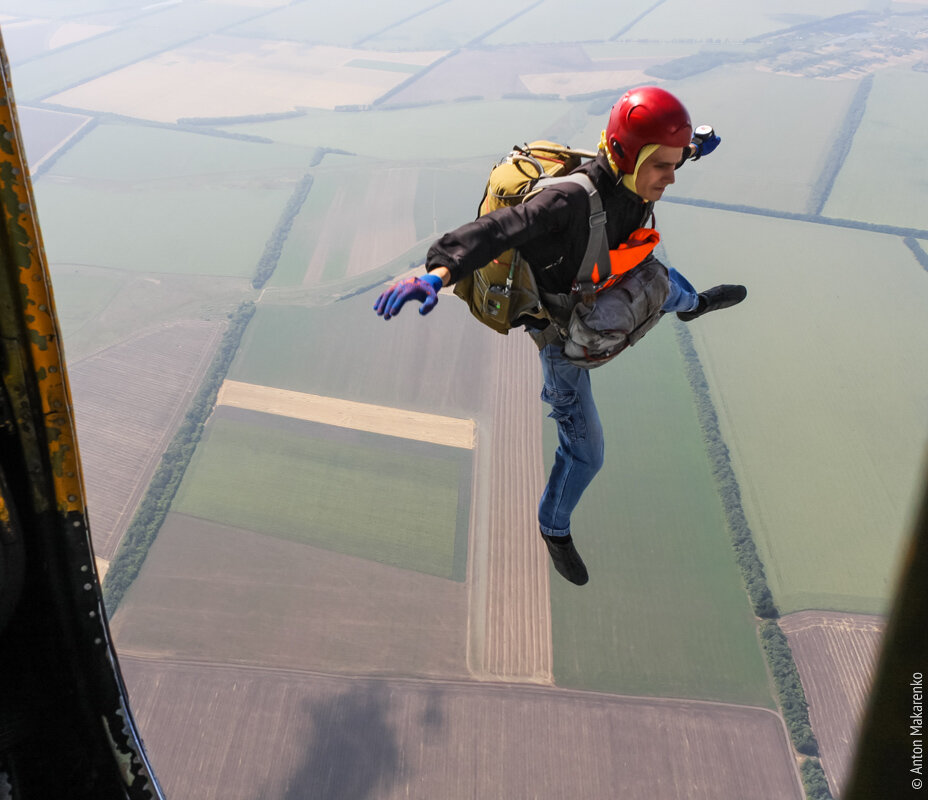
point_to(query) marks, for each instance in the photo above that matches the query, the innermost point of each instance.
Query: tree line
(275, 244)
(156, 503)
(792, 699)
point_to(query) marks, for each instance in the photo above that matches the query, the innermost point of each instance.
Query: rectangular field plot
(46, 131)
(568, 21)
(835, 655)
(448, 25)
(730, 20)
(221, 594)
(111, 153)
(819, 379)
(237, 734)
(665, 612)
(891, 127)
(301, 22)
(217, 76)
(353, 221)
(395, 363)
(390, 500)
(128, 401)
(96, 56)
(465, 129)
(181, 229)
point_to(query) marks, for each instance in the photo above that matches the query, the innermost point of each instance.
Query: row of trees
(814, 781)
(160, 493)
(789, 687)
(752, 569)
(873, 227)
(920, 255)
(240, 120)
(774, 642)
(840, 147)
(275, 244)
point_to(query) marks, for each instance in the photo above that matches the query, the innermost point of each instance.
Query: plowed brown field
(511, 609)
(217, 593)
(128, 401)
(835, 654)
(216, 731)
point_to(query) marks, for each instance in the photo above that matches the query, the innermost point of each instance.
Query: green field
(300, 22)
(344, 350)
(732, 21)
(449, 132)
(567, 21)
(190, 230)
(146, 36)
(665, 612)
(336, 212)
(392, 501)
(194, 205)
(880, 181)
(820, 380)
(111, 153)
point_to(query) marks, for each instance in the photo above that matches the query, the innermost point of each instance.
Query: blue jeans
(579, 454)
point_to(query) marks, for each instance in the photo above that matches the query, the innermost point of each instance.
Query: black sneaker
(713, 299)
(566, 559)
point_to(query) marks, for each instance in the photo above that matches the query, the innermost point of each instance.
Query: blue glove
(704, 145)
(424, 289)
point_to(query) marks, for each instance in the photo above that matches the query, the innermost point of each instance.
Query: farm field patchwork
(98, 55)
(366, 359)
(348, 738)
(564, 21)
(827, 456)
(836, 655)
(219, 593)
(353, 221)
(665, 612)
(193, 229)
(448, 25)
(466, 129)
(728, 20)
(448, 431)
(45, 131)
(231, 76)
(300, 22)
(128, 400)
(348, 491)
(897, 198)
(111, 153)
(98, 308)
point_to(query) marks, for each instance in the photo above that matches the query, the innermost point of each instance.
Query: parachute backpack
(504, 289)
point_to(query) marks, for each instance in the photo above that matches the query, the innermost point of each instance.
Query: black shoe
(713, 299)
(566, 559)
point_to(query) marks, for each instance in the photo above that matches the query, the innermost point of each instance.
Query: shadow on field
(353, 752)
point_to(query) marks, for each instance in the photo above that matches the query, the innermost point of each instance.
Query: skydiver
(647, 137)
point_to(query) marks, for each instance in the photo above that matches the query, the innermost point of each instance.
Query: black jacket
(550, 230)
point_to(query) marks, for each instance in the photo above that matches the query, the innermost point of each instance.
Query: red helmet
(647, 115)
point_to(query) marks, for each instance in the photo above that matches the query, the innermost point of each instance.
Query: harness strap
(601, 267)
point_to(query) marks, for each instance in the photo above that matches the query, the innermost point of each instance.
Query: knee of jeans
(567, 412)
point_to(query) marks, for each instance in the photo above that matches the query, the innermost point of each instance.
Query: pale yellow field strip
(102, 566)
(449, 431)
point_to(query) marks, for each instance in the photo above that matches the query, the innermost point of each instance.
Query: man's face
(657, 172)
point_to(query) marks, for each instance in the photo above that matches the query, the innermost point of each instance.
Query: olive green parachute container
(504, 289)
